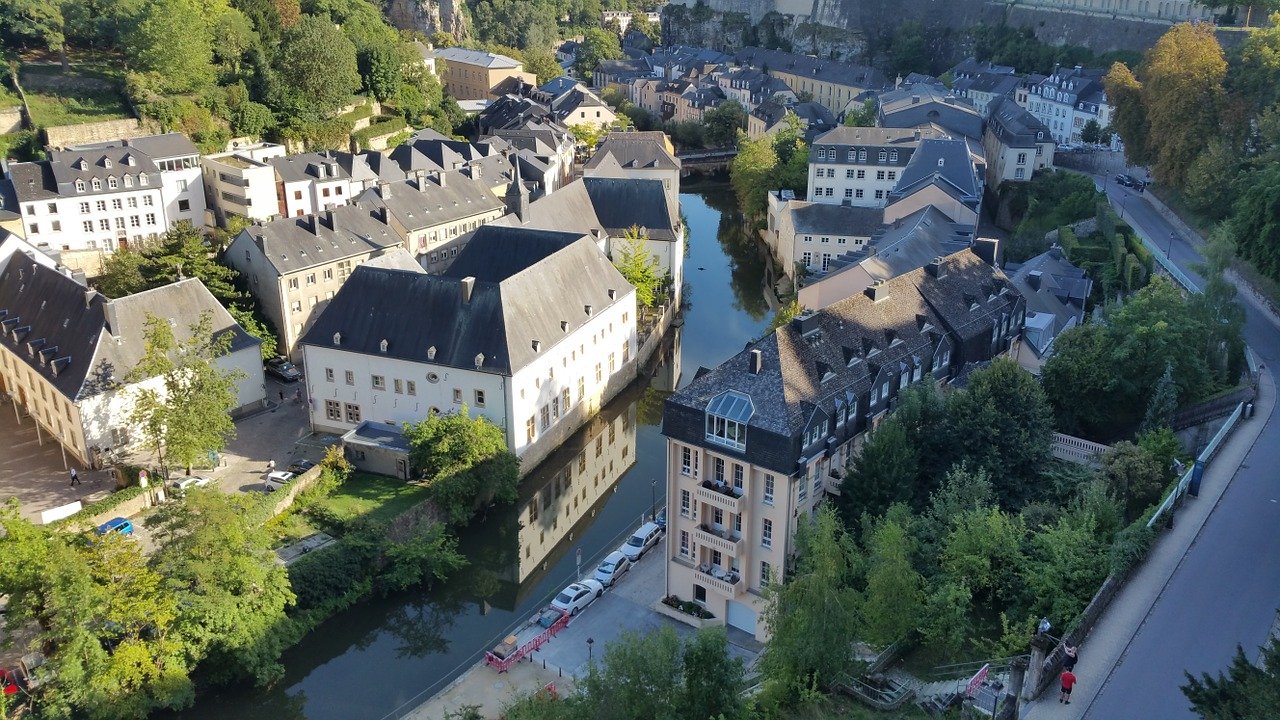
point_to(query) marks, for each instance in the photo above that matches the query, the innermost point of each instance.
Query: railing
(1198, 466)
(504, 664)
(724, 542)
(1215, 408)
(724, 499)
(1077, 450)
(724, 586)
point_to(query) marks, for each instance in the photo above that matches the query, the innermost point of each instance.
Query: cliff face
(428, 16)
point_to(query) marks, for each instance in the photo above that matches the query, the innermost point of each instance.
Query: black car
(283, 369)
(301, 466)
(1125, 181)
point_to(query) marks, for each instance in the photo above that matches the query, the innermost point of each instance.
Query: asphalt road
(1227, 588)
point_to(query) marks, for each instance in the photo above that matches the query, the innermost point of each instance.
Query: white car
(277, 480)
(183, 484)
(639, 543)
(577, 596)
(612, 568)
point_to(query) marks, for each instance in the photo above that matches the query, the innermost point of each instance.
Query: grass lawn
(376, 497)
(81, 95)
(8, 98)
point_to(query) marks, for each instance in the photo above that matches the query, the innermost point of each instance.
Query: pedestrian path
(1106, 644)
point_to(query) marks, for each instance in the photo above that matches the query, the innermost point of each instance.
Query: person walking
(1071, 657)
(1068, 682)
(75, 478)
(281, 396)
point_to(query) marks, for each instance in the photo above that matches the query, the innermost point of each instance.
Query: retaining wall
(10, 120)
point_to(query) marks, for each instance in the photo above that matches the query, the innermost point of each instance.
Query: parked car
(116, 525)
(577, 596)
(301, 466)
(277, 480)
(661, 519)
(183, 484)
(643, 539)
(281, 368)
(1124, 180)
(612, 568)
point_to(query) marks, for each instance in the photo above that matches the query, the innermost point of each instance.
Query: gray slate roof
(635, 150)
(475, 57)
(833, 71)
(527, 282)
(430, 201)
(826, 219)
(610, 205)
(1052, 286)
(158, 147)
(946, 163)
(915, 105)
(296, 243)
(309, 166)
(1013, 126)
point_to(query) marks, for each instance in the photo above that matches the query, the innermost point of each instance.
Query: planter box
(664, 609)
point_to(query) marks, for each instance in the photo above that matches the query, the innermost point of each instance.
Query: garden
(84, 93)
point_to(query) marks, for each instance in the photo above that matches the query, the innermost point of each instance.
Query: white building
(860, 166)
(647, 155)
(1067, 100)
(1016, 144)
(90, 200)
(66, 350)
(534, 330)
(243, 182)
(310, 183)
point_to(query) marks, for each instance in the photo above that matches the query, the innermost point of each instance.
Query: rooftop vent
(537, 346)
(337, 338)
(468, 286)
(877, 291)
(756, 362)
(382, 346)
(431, 353)
(479, 360)
(588, 309)
(564, 326)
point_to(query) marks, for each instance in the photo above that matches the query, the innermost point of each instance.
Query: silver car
(577, 596)
(612, 568)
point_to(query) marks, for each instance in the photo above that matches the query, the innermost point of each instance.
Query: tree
(317, 67)
(542, 63)
(1182, 91)
(1129, 118)
(894, 598)
(186, 417)
(33, 23)
(640, 23)
(173, 40)
(638, 678)
(1134, 476)
(1247, 691)
(465, 462)
(883, 473)
(864, 116)
(597, 46)
(1253, 221)
(637, 265)
(432, 553)
(908, 52)
(712, 677)
(984, 551)
(1003, 422)
(1210, 179)
(182, 251)
(723, 122)
(380, 67)
(219, 566)
(235, 36)
(813, 616)
(1163, 403)
(1066, 564)
(1091, 134)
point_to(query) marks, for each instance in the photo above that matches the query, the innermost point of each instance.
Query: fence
(1078, 450)
(1198, 467)
(503, 664)
(1215, 408)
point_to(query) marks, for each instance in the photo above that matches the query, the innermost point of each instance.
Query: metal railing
(1210, 450)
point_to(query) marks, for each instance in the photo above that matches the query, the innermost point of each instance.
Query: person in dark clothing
(1071, 657)
(75, 478)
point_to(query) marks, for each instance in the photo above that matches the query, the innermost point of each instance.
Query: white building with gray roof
(534, 330)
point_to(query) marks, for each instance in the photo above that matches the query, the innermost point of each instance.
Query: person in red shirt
(1068, 682)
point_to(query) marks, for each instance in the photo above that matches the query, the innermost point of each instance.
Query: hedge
(386, 126)
(107, 503)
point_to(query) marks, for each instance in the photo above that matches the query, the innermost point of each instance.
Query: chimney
(988, 249)
(537, 346)
(383, 187)
(755, 363)
(109, 314)
(613, 294)
(468, 285)
(88, 298)
(381, 214)
(936, 268)
(587, 309)
(1034, 278)
(877, 291)
(420, 179)
(328, 219)
(805, 323)
(442, 179)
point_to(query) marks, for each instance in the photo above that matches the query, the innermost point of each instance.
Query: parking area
(32, 469)
(627, 607)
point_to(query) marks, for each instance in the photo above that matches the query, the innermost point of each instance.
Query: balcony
(727, 583)
(722, 540)
(720, 496)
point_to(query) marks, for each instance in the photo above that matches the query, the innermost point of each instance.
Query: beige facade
(473, 75)
(1169, 10)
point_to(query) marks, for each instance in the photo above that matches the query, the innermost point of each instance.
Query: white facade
(304, 197)
(242, 183)
(182, 189)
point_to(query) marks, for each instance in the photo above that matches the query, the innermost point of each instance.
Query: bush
(688, 607)
(386, 126)
(1131, 546)
(106, 504)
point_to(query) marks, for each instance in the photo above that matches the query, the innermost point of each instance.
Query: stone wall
(10, 120)
(66, 135)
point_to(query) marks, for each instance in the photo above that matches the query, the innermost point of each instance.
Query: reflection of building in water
(560, 497)
(666, 377)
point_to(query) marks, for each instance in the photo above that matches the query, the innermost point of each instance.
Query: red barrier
(504, 664)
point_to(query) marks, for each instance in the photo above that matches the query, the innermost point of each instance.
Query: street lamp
(590, 653)
(1169, 249)
(653, 499)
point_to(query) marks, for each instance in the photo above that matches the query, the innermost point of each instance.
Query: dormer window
(941, 162)
(79, 186)
(128, 181)
(106, 162)
(112, 183)
(97, 184)
(727, 416)
(142, 179)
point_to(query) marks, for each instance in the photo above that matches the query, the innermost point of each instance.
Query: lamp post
(653, 499)
(591, 657)
(1169, 248)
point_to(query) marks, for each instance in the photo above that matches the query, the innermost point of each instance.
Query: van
(643, 539)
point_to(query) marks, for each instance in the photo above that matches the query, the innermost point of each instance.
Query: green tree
(909, 52)
(1210, 179)
(1134, 476)
(32, 23)
(597, 46)
(432, 553)
(542, 63)
(1129, 119)
(752, 174)
(984, 551)
(174, 41)
(1253, 220)
(1091, 134)
(1065, 566)
(863, 117)
(187, 417)
(1182, 92)
(784, 315)
(1247, 691)
(894, 599)
(1003, 422)
(380, 67)
(638, 678)
(713, 678)
(814, 615)
(636, 263)
(235, 37)
(640, 23)
(723, 122)
(219, 567)
(317, 68)
(883, 473)
(1163, 402)
(465, 462)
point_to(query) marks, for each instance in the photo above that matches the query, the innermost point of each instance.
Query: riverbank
(488, 692)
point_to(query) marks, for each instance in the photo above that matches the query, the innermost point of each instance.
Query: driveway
(32, 469)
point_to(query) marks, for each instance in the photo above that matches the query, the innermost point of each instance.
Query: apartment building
(1067, 100)
(242, 182)
(1016, 143)
(836, 85)
(805, 237)
(771, 116)
(860, 166)
(310, 183)
(90, 200)
(638, 155)
(475, 74)
(295, 265)
(755, 444)
(942, 174)
(923, 104)
(534, 330)
(66, 351)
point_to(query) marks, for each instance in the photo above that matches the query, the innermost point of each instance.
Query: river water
(382, 658)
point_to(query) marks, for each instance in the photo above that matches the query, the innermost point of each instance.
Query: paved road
(1227, 588)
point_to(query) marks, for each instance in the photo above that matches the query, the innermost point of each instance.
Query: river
(384, 657)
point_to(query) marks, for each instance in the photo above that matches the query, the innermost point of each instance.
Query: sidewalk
(491, 691)
(1107, 643)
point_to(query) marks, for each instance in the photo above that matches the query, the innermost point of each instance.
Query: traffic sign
(976, 681)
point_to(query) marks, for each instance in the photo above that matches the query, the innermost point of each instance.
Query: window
(119, 223)
(684, 545)
(328, 274)
(582, 389)
(545, 416)
(808, 259)
(34, 228)
(529, 430)
(88, 226)
(727, 416)
(884, 155)
(817, 480)
(113, 183)
(766, 574)
(879, 174)
(411, 386)
(902, 382)
(804, 489)
(768, 489)
(830, 192)
(293, 283)
(737, 478)
(457, 396)
(862, 157)
(350, 377)
(862, 174)
(135, 221)
(555, 411)
(766, 533)
(79, 186)
(479, 398)
(398, 386)
(857, 193)
(328, 374)
(686, 461)
(718, 470)
(104, 224)
(848, 174)
(564, 399)
(311, 279)
(848, 192)
(296, 306)
(893, 156)
(101, 205)
(879, 194)
(84, 207)
(1022, 158)
(353, 413)
(147, 200)
(1019, 174)
(893, 174)
(333, 410)
(151, 218)
(128, 181)
(599, 374)
(686, 503)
